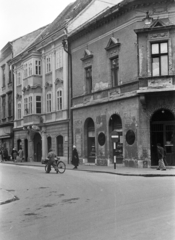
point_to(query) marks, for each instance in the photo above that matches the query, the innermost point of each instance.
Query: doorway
(162, 127)
(115, 124)
(37, 147)
(26, 150)
(90, 140)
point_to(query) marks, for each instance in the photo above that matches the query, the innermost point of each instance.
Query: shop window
(49, 143)
(88, 78)
(130, 137)
(60, 145)
(159, 56)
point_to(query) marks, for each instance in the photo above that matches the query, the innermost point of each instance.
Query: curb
(98, 171)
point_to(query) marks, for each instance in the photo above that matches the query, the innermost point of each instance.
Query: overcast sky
(19, 17)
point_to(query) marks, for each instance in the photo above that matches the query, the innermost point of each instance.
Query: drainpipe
(67, 48)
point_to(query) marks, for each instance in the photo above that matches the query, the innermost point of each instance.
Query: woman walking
(75, 158)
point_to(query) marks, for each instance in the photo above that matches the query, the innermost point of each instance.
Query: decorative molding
(143, 101)
(18, 96)
(47, 85)
(58, 80)
(112, 43)
(87, 55)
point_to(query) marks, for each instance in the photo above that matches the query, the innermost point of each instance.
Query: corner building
(123, 67)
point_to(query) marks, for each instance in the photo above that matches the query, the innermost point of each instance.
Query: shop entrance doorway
(26, 150)
(90, 140)
(37, 147)
(163, 132)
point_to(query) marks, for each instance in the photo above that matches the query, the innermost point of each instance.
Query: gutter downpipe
(67, 49)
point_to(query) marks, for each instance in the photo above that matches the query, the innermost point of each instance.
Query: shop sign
(163, 83)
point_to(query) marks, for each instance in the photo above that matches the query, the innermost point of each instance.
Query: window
(3, 76)
(114, 71)
(30, 105)
(159, 55)
(10, 74)
(30, 69)
(60, 145)
(3, 106)
(19, 110)
(25, 106)
(38, 104)
(25, 70)
(88, 75)
(49, 102)
(10, 105)
(38, 67)
(59, 58)
(48, 64)
(18, 78)
(49, 143)
(59, 100)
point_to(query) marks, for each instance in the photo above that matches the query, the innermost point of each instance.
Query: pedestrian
(20, 154)
(5, 154)
(161, 155)
(75, 158)
(51, 156)
(14, 154)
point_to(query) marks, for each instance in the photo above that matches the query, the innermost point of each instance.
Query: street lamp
(147, 20)
(65, 44)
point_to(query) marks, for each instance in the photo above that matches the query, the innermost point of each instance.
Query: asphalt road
(83, 205)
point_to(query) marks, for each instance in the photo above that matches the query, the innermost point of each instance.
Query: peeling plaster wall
(127, 109)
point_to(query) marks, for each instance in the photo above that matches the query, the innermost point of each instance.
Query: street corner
(6, 197)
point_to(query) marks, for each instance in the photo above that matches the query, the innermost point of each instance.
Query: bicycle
(61, 166)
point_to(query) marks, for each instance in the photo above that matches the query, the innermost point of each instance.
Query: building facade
(9, 51)
(6, 98)
(42, 91)
(123, 100)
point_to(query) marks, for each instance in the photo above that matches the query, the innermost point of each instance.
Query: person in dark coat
(5, 154)
(14, 154)
(75, 158)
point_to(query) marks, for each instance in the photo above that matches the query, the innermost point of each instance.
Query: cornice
(113, 13)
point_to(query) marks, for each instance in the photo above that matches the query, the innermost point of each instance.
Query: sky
(20, 17)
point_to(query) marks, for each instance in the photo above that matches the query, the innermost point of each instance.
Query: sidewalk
(120, 170)
(6, 197)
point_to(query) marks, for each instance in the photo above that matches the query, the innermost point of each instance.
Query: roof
(70, 12)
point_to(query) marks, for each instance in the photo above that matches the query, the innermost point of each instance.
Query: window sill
(49, 73)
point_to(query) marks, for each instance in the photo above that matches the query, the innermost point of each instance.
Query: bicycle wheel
(61, 167)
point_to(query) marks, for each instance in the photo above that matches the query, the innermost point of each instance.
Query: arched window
(60, 145)
(49, 143)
